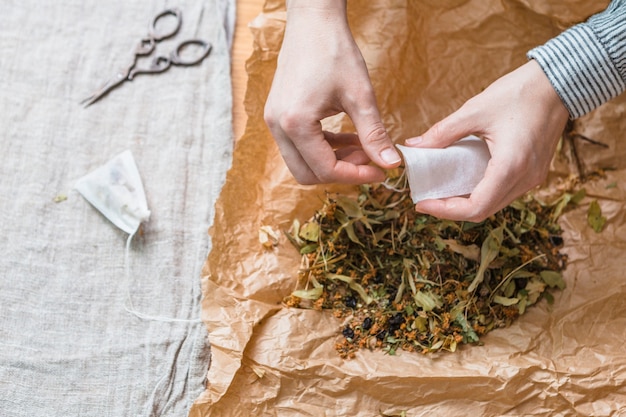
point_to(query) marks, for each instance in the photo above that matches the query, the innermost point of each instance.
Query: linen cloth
(68, 345)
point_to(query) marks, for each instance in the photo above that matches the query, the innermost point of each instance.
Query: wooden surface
(242, 49)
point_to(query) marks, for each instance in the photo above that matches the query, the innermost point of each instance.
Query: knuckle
(269, 115)
(270, 121)
(285, 119)
(290, 120)
(376, 135)
(355, 94)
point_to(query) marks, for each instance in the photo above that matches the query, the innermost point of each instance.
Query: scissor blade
(104, 90)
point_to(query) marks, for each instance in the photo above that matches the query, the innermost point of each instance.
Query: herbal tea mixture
(403, 280)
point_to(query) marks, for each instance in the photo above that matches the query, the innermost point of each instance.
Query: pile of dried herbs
(404, 280)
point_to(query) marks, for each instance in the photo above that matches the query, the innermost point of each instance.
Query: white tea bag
(445, 172)
(115, 189)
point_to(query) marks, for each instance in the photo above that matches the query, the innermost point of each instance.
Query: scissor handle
(162, 63)
(159, 64)
(176, 58)
(158, 36)
(144, 47)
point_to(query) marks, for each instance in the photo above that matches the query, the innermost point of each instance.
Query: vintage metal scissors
(160, 63)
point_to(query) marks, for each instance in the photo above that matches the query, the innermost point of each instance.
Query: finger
(347, 148)
(337, 140)
(456, 126)
(492, 194)
(371, 132)
(311, 158)
(353, 154)
(290, 153)
(311, 146)
(294, 161)
(321, 158)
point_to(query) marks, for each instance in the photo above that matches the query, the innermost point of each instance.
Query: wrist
(329, 5)
(307, 17)
(548, 93)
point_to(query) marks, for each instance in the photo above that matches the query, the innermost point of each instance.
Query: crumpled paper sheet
(426, 58)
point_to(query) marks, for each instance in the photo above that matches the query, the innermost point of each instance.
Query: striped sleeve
(586, 64)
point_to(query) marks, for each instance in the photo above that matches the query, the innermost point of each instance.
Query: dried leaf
(353, 285)
(260, 372)
(452, 347)
(594, 216)
(308, 248)
(268, 237)
(60, 198)
(553, 279)
(488, 252)
(427, 300)
(350, 207)
(565, 199)
(310, 231)
(293, 234)
(349, 228)
(498, 299)
(437, 345)
(471, 252)
(469, 335)
(311, 294)
(534, 289)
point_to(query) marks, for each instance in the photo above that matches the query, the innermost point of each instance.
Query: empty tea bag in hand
(116, 190)
(445, 172)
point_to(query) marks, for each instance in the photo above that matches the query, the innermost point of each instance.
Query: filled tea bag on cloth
(445, 172)
(115, 189)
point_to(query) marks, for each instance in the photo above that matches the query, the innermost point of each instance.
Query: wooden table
(247, 10)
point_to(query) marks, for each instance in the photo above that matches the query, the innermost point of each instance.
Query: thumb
(445, 132)
(374, 138)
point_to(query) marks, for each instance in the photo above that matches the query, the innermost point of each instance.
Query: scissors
(160, 63)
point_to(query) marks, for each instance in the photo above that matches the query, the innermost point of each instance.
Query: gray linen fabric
(68, 345)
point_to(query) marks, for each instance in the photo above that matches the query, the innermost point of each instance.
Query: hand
(320, 73)
(521, 118)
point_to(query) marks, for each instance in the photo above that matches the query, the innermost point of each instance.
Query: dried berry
(350, 301)
(367, 323)
(395, 321)
(348, 333)
(520, 283)
(378, 279)
(556, 240)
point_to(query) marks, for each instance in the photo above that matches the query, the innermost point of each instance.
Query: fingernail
(414, 141)
(390, 156)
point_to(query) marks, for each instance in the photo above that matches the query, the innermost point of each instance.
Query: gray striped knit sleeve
(586, 64)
